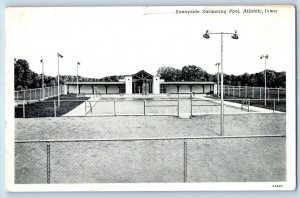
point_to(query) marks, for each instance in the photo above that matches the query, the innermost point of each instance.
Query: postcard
(150, 98)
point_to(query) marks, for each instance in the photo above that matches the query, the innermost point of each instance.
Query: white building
(141, 83)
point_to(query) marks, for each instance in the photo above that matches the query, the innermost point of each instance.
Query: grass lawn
(46, 108)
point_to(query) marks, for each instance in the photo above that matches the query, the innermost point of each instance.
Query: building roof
(123, 82)
(142, 75)
(96, 83)
(187, 83)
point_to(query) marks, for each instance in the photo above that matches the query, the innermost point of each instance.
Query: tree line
(195, 73)
(27, 79)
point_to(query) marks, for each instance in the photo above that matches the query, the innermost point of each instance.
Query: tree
(169, 74)
(245, 79)
(280, 79)
(260, 77)
(37, 82)
(194, 73)
(53, 82)
(72, 78)
(253, 80)
(22, 74)
(271, 78)
(25, 78)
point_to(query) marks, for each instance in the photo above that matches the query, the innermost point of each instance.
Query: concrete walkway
(237, 105)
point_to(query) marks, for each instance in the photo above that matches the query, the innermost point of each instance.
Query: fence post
(144, 107)
(249, 105)
(191, 97)
(228, 93)
(23, 95)
(252, 92)
(29, 94)
(227, 90)
(246, 91)
(41, 93)
(115, 113)
(48, 162)
(24, 115)
(278, 94)
(178, 106)
(274, 106)
(260, 93)
(184, 161)
(233, 91)
(239, 91)
(54, 108)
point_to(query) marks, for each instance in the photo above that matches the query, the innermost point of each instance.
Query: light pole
(233, 36)
(265, 57)
(218, 88)
(78, 63)
(58, 88)
(43, 89)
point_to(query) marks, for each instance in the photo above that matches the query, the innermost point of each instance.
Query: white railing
(254, 92)
(37, 94)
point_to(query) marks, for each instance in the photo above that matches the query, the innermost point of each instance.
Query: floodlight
(235, 36)
(59, 55)
(206, 35)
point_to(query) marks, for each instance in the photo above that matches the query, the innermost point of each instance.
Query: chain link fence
(37, 94)
(253, 158)
(254, 92)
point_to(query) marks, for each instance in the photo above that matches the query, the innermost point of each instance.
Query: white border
(290, 184)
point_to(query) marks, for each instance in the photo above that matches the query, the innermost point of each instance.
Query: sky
(123, 40)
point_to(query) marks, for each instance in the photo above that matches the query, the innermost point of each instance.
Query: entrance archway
(142, 83)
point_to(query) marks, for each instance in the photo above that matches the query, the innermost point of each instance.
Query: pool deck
(80, 110)
(237, 105)
(87, 106)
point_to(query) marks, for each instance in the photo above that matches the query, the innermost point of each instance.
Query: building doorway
(142, 83)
